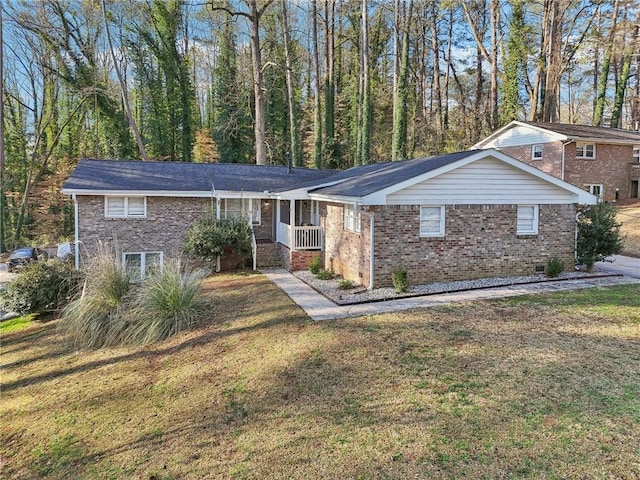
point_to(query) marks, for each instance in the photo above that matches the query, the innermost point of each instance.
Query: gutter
(371, 256)
(76, 234)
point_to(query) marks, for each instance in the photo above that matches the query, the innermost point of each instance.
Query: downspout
(575, 246)
(218, 216)
(76, 234)
(371, 256)
(562, 166)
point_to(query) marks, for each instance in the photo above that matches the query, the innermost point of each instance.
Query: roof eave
(166, 193)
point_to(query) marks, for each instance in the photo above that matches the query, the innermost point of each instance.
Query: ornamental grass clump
(112, 311)
(93, 319)
(164, 304)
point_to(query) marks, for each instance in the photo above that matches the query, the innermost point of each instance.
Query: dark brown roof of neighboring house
(588, 132)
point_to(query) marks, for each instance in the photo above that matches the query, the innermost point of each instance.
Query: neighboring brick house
(464, 215)
(604, 161)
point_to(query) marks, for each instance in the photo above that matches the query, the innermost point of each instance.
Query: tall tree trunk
(436, 89)
(293, 123)
(553, 64)
(258, 84)
(493, 94)
(317, 108)
(329, 82)
(401, 92)
(123, 88)
(366, 117)
(598, 111)
(625, 72)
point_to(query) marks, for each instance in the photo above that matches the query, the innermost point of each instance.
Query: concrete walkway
(319, 307)
(629, 266)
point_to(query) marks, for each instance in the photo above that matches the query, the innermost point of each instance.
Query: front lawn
(533, 387)
(630, 219)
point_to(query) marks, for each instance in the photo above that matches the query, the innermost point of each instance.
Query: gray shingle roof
(587, 131)
(121, 175)
(367, 179)
(136, 176)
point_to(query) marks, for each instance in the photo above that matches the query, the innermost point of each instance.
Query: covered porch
(298, 224)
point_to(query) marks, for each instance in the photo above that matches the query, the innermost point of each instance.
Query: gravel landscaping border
(359, 294)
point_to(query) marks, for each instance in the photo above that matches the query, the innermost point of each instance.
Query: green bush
(324, 275)
(598, 234)
(345, 284)
(400, 280)
(315, 265)
(208, 240)
(555, 266)
(40, 286)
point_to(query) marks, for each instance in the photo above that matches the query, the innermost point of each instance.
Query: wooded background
(320, 83)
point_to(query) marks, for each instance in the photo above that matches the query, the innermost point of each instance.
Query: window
(432, 221)
(536, 152)
(235, 207)
(125, 207)
(141, 264)
(585, 150)
(351, 219)
(595, 189)
(527, 220)
(636, 152)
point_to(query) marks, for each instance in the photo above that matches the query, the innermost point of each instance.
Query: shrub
(345, 284)
(315, 265)
(40, 286)
(324, 275)
(208, 240)
(598, 234)
(400, 280)
(555, 266)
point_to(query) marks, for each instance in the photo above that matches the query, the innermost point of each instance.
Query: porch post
(292, 224)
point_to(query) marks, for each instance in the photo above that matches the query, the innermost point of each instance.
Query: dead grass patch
(535, 387)
(630, 218)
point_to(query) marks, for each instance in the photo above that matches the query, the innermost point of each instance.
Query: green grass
(530, 387)
(17, 323)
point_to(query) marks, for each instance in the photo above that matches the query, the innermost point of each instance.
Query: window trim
(583, 146)
(535, 220)
(636, 152)
(256, 215)
(535, 148)
(442, 221)
(143, 261)
(126, 213)
(589, 186)
(352, 219)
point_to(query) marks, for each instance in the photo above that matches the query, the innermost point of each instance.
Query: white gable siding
(520, 135)
(485, 182)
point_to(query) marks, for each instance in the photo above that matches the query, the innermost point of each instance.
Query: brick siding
(480, 241)
(610, 167)
(346, 253)
(164, 229)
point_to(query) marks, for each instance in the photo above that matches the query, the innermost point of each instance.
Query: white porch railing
(282, 235)
(307, 238)
(304, 237)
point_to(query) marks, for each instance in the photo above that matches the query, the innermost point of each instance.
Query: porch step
(268, 255)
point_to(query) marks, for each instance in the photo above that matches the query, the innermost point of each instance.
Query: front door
(634, 189)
